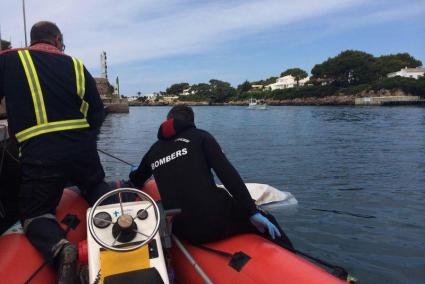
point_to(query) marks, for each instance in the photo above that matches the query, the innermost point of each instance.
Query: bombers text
(169, 158)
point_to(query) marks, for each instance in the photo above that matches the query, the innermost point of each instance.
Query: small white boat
(254, 104)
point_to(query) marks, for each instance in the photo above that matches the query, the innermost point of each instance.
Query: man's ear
(57, 41)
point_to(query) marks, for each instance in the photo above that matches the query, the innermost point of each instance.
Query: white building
(151, 96)
(287, 82)
(187, 92)
(132, 98)
(408, 73)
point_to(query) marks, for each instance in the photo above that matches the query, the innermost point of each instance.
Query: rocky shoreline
(339, 100)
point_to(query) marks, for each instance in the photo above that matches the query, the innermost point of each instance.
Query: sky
(152, 44)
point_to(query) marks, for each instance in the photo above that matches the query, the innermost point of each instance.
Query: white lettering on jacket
(169, 158)
(182, 140)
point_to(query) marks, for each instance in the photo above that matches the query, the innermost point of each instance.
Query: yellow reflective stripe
(51, 127)
(84, 108)
(24, 64)
(55, 123)
(34, 85)
(77, 76)
(83, 80)
(37, 82)
(81, 84)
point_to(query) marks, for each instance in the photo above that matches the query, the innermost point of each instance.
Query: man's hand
(262, 223)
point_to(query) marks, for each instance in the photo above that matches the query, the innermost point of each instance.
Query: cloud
(142, 31)
(149, 29)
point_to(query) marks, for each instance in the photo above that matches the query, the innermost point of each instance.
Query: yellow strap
(81, 84)
(34, 85)
(51, 127)
(84, 108)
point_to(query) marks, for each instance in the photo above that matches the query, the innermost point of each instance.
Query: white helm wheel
(125, 228)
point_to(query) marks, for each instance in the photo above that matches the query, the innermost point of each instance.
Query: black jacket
(181, 162)
(58, 84)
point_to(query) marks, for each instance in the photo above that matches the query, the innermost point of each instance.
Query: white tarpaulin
(266, 195)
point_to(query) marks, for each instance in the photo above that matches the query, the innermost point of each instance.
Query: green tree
(265, 82)
(297, 73)
(350, 67)
(202, 90)
(394, 62)
(221, 91)
(177, 89)
(244, 87)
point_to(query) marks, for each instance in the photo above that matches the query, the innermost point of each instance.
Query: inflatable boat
(136, 251)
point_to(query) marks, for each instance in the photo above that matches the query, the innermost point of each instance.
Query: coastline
(336, 100)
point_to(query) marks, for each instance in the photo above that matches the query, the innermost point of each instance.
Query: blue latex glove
(262, 223)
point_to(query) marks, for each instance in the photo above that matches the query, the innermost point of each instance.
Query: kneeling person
(181, 162)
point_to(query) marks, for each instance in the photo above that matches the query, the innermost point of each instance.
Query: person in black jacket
(181, 162)
(54, 112)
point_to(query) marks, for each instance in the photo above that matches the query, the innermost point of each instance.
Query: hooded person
(181, 162)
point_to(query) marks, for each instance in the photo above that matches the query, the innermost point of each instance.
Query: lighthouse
(103, 66)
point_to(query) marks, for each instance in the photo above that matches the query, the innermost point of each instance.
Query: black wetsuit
(181, 162)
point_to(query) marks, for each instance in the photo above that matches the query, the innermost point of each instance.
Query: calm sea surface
(358, 174)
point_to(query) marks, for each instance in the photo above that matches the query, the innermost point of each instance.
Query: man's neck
(45, 47)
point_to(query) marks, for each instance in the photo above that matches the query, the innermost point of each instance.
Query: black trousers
(10, 180)
(221, 222)
(42, 186)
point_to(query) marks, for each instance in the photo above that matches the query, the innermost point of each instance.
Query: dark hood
(172, 127)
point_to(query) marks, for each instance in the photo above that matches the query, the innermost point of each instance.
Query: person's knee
(39, 224)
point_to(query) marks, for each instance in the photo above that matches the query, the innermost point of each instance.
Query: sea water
(358, 174)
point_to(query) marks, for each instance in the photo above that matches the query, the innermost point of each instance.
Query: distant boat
(254, 104)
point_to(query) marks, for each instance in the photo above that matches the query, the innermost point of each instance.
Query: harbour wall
(116, 105)
(394, 100)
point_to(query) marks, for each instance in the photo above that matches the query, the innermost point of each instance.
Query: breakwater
(113, 105)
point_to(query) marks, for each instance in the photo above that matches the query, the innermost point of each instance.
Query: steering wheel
(125, 222)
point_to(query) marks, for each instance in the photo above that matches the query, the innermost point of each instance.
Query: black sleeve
(96, 112)
(143, 172)
(227, 174)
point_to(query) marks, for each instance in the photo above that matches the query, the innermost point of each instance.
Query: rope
(216, 251)
(116, 158)
(36, 272)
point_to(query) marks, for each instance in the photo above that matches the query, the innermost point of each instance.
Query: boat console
(124, 244)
